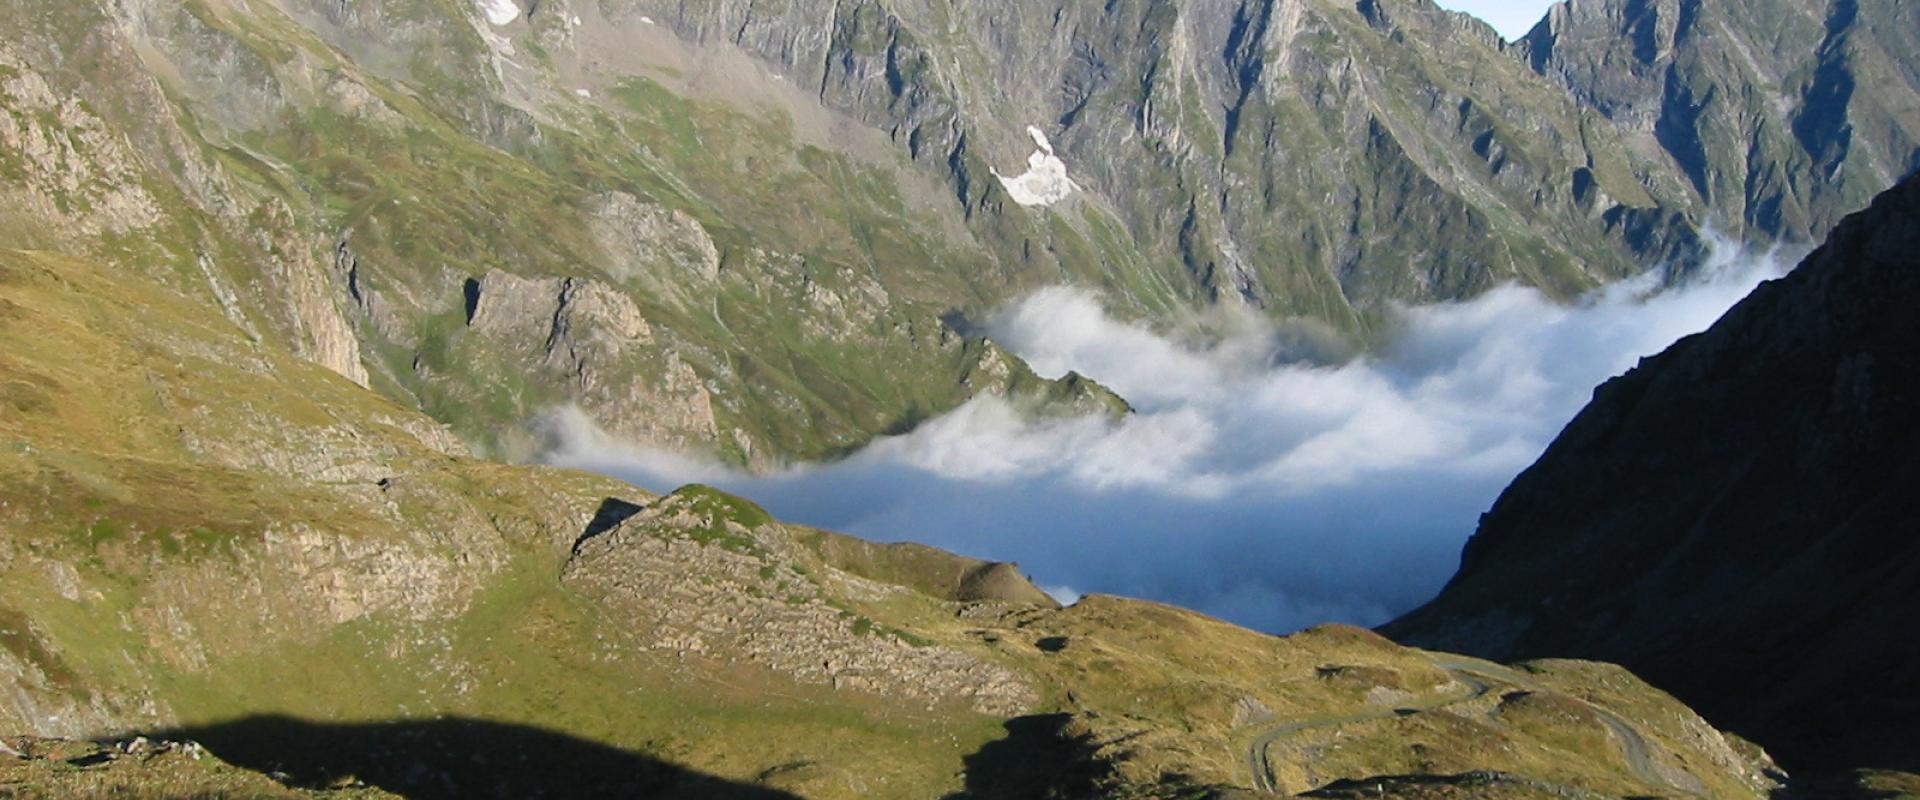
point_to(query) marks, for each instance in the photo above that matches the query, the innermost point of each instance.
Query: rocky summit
(291, 292)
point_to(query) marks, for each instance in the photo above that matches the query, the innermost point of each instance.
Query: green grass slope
(207, 538)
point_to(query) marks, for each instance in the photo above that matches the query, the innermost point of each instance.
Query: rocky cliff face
(1735, 518)
(1310, 157)
(779, 192)
(1782, 116)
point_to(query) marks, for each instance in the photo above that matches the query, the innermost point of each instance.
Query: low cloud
(1256, 482)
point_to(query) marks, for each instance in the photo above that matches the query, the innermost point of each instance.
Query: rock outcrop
(637, 236)
(706, 577)
(593, 344)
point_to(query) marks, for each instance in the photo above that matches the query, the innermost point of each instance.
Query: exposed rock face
(586, 338)
(637, 235)
(1783, 115)
(1735, 518)
(792, 194)
(322, 332)
(711, 578)
(63, 165)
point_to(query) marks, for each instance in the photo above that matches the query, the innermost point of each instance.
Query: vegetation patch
(18, 638)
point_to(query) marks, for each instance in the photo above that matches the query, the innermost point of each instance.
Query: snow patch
(1045, 182)
(500, 12)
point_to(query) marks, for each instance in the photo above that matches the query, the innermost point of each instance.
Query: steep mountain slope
(1735, 519)
(748, 229)
(752, 228)
(1308, 155)
(386, 210)
(249, 242)
(1783, 115)
(206, 538)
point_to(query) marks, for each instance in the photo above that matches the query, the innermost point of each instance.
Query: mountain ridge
(1738, 507)
(1761, 106)
(338, 174)
(287, 281)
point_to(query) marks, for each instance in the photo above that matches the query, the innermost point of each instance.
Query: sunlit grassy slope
(201, 529)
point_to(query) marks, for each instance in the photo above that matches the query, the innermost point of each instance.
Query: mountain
(1735, 519)
(227, 571)
(1783, 116)
(286, 284)
(758, 229)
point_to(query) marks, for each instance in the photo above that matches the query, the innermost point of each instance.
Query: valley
(295, 293)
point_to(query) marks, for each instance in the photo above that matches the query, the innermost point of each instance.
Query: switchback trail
(1476, 676)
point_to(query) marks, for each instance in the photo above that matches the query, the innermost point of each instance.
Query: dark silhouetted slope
(1736, 518)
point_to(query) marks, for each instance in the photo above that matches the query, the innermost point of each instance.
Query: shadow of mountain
(1040, 757)
(1865, 784)
(454, 758)
(1470, 784)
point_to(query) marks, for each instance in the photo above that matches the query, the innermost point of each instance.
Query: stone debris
(738, 596)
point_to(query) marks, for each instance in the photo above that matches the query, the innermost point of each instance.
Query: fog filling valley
(1254, 483)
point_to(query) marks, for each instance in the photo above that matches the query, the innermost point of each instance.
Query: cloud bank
(1252, 484)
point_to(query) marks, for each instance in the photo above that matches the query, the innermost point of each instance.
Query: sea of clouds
(1255, 482)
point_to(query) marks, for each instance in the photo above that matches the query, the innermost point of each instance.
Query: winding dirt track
(1476, 676)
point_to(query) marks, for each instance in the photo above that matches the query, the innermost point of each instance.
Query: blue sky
(1512, 17)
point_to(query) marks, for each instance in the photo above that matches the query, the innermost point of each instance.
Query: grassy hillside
(210, 539)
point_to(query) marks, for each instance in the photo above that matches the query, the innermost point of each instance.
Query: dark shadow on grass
(1040, 757)
(454, 758)
(1863, 784)
(1470, 784)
